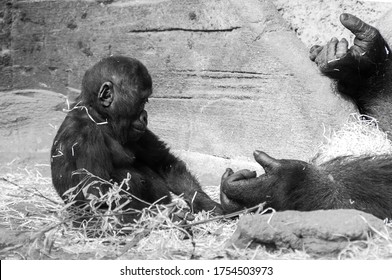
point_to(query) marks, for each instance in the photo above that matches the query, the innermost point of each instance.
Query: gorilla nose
(143, 117)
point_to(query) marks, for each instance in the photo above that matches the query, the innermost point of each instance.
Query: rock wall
(229, 77)
(317, 21)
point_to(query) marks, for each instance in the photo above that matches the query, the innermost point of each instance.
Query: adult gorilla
(363, 73)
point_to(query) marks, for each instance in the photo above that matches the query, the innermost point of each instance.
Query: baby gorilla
(105, 136)
(364, 74)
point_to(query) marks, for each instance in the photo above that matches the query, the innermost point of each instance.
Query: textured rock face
(229, 77)
(385, 26)
(316, 21)
(316, 232)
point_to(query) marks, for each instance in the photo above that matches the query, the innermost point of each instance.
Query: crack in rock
(171, 29)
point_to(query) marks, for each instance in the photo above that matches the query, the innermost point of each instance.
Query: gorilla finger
(358, 51)
(228, 205)
(267, 162)
(321, 59)
(314, 51)
(360, 29)
(377, 50)
(341, 48)
(227, 173)
(331, 49)
(243, 174)
(184, 215)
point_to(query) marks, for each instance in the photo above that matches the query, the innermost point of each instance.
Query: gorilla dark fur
(362, 183)
(364, 74)
(106, 135)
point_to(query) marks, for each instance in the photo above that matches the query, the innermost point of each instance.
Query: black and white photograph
(232, 135)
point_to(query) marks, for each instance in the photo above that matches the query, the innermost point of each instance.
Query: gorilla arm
(157, 156)
(285, 185)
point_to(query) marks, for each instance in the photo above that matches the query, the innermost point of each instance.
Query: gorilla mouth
(139, 130)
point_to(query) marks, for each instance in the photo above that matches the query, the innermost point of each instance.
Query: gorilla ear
(105, 94)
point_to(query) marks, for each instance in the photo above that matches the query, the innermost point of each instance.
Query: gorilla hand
(235, 189)
(362, 60)
(243, 189)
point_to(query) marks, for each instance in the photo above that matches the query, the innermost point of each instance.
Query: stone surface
(29, 121)
(229, 77)
(316, 232)
(316, 21)
(385, 26)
